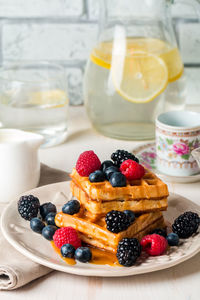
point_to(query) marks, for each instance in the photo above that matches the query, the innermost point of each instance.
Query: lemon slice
(50, 98)
(139, 78)
(102, 54)
(174, 64)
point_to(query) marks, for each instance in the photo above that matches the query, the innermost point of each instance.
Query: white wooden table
(178, 283)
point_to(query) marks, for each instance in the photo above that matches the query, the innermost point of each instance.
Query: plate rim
(76, 270)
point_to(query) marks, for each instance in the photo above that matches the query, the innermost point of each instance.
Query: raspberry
(154, 244)
(132, 170)
(66, 235)
(87, 163)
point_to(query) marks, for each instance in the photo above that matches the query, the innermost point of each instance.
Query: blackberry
(160, 231)
(28, 207)
(186, 224)
(128, 251)
(121, 155)
(117, 221)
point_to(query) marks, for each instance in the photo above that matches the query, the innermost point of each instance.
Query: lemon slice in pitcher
(174, 64)
(140, 77)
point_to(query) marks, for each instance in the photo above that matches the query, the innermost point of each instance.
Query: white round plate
(147, 156)
(18, 233)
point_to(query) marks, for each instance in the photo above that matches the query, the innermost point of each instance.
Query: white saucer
(18, 233)
(147, 156)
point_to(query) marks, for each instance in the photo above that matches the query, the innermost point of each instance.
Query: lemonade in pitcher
(130, 79)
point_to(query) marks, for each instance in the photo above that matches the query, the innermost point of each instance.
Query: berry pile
(158, 241)
(123, 166)
(42, 221)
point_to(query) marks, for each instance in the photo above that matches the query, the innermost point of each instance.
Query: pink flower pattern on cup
(181, 148)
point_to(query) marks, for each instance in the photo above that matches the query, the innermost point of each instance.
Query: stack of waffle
(147, 197)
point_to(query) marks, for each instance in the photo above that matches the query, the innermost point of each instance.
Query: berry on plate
(128, 251)
(154, 244)
(110, 170)
(87, 163)
(97, 176)
(117, 180)
(186, 224)
(50, 218)
(132, 170)
(37, 225)
(172, 239)
(67, 250)
(71, 207)
(117, 221)
(28, 207)
(105, 164)
(83, 254)
(121, 155)
(66, 235)
(48, 232)
(46, 208)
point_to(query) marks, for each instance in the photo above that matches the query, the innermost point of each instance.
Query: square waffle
(96, 234)
(148, 194)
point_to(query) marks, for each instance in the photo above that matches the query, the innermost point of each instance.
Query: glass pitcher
(135, 71)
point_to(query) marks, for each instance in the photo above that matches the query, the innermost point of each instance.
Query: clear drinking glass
(33, 97)
(135, 71)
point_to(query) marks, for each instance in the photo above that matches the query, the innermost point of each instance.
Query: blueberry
(50, 218)
(172, 239)
(83, 254)
(117, 180)
(67, 250)
(46, 208)
(48, 232)
(106, 164)
(130, 214)
(72, 207)
(37, 225)
(109, 171)
(97, 176)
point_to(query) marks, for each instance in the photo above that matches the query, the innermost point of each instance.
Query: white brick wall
(65, 30)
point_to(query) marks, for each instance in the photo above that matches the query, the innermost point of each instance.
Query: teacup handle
(196, 154)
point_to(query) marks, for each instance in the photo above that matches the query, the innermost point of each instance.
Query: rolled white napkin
(15, 269)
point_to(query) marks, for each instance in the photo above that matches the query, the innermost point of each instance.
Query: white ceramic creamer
(19, 162)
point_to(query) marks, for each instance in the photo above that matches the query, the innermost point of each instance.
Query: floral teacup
(177, 134)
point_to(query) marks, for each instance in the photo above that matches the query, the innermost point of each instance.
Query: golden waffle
(97, 235)
(144, 195)
(148, 187)
(100, 208)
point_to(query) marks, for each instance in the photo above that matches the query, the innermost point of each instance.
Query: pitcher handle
(192, 3)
